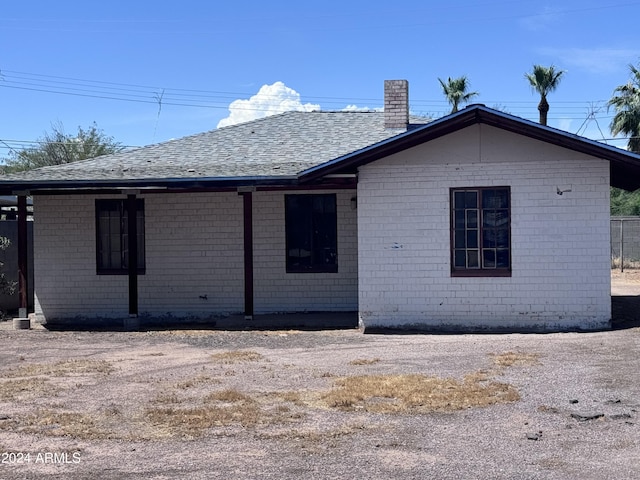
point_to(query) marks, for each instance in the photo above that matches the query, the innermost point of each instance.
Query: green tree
(57, 147)
(544, 80)
(626, 121)
(625, 203)
(456, 91)
(626, 102)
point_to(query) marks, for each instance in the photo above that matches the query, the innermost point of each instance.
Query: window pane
(471, 199)
(502, 238)
(459, 240)
(488, 238)
(458, 199)
(495, 198)
(460, 258)
(472, 218)
(472, 259)
(488, 258)
(459, 219)
(472, 238)
(502, 258)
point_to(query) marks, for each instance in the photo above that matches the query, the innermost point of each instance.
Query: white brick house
(478, 220)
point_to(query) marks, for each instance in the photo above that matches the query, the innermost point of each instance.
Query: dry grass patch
(510, 359)
(195, 420)
(32, 387)
(62, 368)
(58, 424)
(236, 356)
(229, 395)
(415, 393)
(364, 361)
(220, 409)
(292, 396)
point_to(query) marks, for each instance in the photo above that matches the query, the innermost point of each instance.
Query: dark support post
(248, 253)
(23, 275)
(132, 245)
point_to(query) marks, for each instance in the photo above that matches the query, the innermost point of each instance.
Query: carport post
(621, 245)
(23, 275)
(247, 203)
(132, 245)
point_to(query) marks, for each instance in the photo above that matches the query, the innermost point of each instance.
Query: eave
(624, 165)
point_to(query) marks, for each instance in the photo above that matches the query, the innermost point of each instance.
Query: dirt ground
(276, 404)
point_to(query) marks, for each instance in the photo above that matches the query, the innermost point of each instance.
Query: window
(481, 231)
(112, 253)
(311, 233)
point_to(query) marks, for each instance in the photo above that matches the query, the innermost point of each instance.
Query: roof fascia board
(7, 187)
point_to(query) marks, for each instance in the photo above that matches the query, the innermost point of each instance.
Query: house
(478, 220)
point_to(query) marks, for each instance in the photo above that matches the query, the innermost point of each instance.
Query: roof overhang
(624, 165)
(14, 187)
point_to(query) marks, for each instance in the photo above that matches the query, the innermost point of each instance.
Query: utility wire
(218, 99)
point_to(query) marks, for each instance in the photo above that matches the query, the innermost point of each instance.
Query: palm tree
(455, 89)
(627, 106)
(544, 80)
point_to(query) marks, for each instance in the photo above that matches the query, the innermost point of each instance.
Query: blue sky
(146, 72)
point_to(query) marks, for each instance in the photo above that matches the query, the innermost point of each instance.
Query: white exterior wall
(559, 248)
(194, 249)
(65, 280)
(275, 290)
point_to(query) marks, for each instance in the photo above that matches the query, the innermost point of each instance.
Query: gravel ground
(577, 416)
(581, 374)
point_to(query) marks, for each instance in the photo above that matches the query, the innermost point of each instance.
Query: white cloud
(596, 60)
(270, 100)
(355, 108)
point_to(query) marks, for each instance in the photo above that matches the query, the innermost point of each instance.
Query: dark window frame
(320, 262)
(120, 207)
(482, 245)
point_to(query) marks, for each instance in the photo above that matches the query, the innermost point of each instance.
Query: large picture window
(311, 233)
(481, 231)
(112, 252)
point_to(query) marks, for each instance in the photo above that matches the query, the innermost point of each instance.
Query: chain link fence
(625, 243)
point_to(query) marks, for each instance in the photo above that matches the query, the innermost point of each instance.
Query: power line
(211, 99)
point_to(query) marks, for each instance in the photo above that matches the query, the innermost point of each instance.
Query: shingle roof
(292, 148)
(278, 146)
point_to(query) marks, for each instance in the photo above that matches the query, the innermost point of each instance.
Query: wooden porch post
(132, 245)
(23, 273)
(247, 198)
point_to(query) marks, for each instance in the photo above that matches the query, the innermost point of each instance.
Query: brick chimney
(396, 104)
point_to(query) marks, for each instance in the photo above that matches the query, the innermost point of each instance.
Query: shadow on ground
(625, 312)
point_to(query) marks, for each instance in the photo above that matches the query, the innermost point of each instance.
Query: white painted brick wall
(278, 291)
(560, 244)
(194, 248)
(65, 280)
